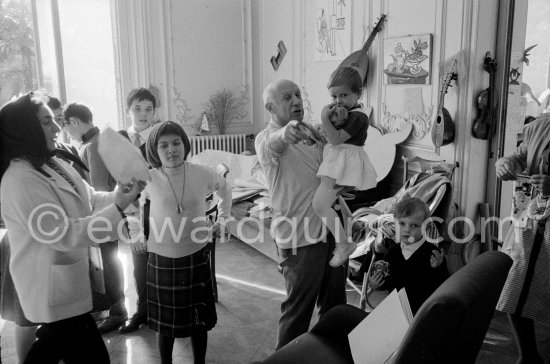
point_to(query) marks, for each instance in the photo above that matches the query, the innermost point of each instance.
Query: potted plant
(222, 108)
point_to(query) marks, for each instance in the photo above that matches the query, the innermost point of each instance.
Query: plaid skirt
(180, 296)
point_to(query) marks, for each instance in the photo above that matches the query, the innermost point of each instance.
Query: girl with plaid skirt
(180, 296)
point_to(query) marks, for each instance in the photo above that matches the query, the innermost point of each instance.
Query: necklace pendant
(179, 209)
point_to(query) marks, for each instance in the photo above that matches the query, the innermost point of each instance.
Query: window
(18, 72)
(72, 53)
(536, 78)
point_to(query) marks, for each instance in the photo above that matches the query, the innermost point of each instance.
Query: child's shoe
(342, 253)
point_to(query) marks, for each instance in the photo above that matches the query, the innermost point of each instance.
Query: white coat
(49, 254)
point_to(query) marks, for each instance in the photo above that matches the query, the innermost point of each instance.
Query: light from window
(88, 57)
(18, 72)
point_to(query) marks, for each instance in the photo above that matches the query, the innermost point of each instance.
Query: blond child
(415, 264)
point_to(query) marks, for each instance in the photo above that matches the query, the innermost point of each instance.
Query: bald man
(290, 158)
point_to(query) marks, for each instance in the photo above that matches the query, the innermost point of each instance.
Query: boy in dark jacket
(415, 264)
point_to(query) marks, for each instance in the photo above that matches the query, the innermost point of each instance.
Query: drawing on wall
(514, 75)
(333, 30)
(183, 111)
(515, 79)
(408, 60)
(306, 105)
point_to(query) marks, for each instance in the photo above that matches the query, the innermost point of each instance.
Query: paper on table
(240, 166)
(123, 159)
(238, 196)
(379, 335)
(250, 183)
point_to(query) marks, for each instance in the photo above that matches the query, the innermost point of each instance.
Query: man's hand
(293, 134)
(505, 169)
(436, 259)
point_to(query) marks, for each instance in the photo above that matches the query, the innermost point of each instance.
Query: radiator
(234, 143)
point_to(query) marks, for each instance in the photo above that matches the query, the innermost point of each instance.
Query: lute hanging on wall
(359, 59)
(443, 129)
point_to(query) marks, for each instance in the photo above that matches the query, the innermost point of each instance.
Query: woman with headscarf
(52, 217)
(526, 294)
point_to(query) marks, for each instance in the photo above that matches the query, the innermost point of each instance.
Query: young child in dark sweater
(415, 264)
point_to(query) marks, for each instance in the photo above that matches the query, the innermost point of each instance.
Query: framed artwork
(332, 30)
(408, 60)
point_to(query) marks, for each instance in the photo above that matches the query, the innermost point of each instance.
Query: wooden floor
(250, 293)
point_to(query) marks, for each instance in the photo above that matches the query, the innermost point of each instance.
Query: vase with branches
(222, 108)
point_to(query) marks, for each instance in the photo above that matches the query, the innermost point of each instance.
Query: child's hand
(437, 258)
(376, 280)
(327, 111)
(139, 247)
(339, 116)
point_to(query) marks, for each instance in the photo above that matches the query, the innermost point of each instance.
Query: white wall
(468, 26)
(190, 48)
(276, 22)
(187, 50)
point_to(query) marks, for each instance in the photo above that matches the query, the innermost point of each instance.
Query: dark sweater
(356, 126)
(415, 274)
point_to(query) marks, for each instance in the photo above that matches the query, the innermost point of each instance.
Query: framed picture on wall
(332, 30)
(408, 60)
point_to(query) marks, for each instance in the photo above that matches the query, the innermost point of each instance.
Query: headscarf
(21, 135)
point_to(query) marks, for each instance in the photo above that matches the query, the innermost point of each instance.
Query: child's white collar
(408, 249)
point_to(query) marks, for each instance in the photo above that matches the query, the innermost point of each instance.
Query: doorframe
(496, 144)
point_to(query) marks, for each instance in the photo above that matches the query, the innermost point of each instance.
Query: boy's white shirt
(143, 135)
(132, 209)
(408, 249)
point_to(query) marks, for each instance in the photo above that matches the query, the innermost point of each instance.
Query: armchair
(448, 328)
(432, 185)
